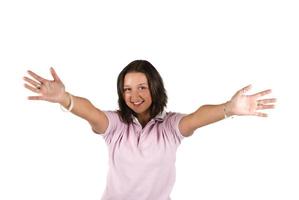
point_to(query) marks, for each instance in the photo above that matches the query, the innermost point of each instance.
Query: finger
(36, 98)
(37, 77)
(263, 93)
(54, 75)
(32, 82)
(259, 114)
(33, 89)
(266, 101)
(262, 107)
(245, 89)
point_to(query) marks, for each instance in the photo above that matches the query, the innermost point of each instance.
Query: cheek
(126, 98)
(148, 96)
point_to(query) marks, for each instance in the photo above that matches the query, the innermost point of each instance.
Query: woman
(141, 137)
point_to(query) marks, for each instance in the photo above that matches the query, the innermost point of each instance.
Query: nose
(135, 96)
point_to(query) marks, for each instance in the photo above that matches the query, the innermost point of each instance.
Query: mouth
(137, 104)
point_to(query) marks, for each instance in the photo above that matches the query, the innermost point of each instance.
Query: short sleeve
(172, 124)
(113, 123)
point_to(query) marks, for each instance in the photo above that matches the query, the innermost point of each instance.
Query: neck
(143, 119)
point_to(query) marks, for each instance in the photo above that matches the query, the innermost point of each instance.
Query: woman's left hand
(242, 104)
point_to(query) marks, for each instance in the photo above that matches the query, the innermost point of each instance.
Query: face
(136, 93)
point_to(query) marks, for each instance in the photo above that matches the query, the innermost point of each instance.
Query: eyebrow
(137, 85)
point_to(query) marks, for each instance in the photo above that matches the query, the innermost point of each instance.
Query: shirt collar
(159, 117)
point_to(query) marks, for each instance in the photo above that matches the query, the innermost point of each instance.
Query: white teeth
(137, 103)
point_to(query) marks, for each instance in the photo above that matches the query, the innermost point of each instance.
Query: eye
(127, 89)
(142, 88)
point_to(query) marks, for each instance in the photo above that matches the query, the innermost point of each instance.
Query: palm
(242, 104)
(52, 91)
(48, 90)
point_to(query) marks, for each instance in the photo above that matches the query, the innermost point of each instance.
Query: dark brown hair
(156, 87)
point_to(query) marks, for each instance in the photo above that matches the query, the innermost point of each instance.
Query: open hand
(48, 90)
(242, 104)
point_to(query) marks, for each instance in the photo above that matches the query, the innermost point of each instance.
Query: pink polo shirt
(141, 160)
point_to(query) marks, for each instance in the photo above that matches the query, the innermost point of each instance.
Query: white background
(204, 50)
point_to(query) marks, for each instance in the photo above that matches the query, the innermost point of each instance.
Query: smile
(137, 103)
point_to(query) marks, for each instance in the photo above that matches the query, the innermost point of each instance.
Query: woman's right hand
(48, 90)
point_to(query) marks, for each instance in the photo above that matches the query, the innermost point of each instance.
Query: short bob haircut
(156, 87)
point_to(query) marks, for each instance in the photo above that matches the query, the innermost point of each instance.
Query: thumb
(245, 89)
(54, 75)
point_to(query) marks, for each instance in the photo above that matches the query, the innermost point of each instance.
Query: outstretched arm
(240, 104)
(54, 91)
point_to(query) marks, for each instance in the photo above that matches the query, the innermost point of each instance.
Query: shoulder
(170, 116)
(181, 123)
(172, 119)
(114, 120)
(113, 116)
(171, 123)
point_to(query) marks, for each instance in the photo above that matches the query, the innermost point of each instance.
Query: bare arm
(86, 110)
(204, 115)
(240, 104)
(54, 91)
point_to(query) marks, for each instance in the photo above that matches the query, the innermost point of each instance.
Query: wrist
(68, 102)
(65, 99)
(227, 108)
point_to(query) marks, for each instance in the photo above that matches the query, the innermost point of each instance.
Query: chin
(139, 111)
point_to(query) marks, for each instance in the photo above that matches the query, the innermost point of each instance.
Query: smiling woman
(137, 95)
(141, 92)
(142, 138)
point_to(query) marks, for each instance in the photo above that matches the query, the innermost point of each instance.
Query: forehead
(134, 78)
